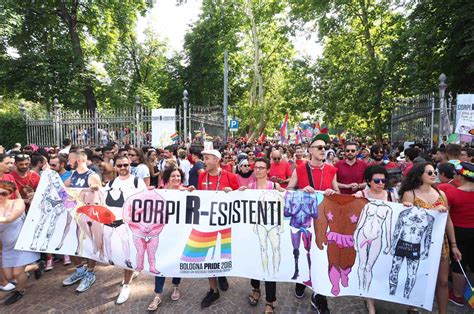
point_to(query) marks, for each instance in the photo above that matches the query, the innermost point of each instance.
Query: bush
(12, 130)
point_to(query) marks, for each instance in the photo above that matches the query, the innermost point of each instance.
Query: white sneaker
(8, 287)
(124, 293)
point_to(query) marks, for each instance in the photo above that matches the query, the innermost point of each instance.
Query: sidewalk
(47, 295)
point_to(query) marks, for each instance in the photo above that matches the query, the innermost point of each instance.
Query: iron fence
(122, 125)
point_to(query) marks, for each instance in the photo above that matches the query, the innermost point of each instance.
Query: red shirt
(31, 179)
(445, 187)
(408, 168)
(461, 207)
(347, 174)
(227, 167)
(300, 162)
(9, 177)
(389, 165)
(322, 178)
(227, 179)
(280, 170)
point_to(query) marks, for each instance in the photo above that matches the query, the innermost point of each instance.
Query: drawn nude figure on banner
(270, 232)
(145, 215)
(302, 208)
(372, 233)
(411, 240)
(86, 226)
(51, 207)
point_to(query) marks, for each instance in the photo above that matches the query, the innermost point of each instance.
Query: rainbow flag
(174, 137)
(284, 130)
(199, 243)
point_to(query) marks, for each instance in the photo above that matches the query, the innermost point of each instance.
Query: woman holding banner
(418, 190)
(262, 168)
(11, 220)
(173, 178)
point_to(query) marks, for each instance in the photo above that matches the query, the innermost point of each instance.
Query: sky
(171, 22)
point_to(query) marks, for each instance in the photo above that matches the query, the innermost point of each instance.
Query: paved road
(48, 296)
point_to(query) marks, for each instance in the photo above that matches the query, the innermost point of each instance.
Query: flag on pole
(174, 137)
(262, 138)
(284, 129)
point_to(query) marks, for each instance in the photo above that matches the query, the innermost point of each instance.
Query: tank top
(322, 177)
(81, 180)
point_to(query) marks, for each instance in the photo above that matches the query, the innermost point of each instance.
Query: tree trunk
(70, 19)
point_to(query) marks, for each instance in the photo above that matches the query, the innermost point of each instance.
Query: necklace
(219, 173)
(311, 179)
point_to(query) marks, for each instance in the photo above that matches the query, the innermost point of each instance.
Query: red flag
(262, 138)
(284, 129)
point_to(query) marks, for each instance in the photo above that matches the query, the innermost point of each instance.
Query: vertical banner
(465, 117)
(337, 245)
(163, 127)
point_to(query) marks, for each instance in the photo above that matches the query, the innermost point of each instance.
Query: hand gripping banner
(338, 245)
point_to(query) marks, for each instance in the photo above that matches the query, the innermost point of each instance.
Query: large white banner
(338, 245)
(465, 116)
(163, 127)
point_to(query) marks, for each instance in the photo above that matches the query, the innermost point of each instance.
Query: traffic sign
(233, 125)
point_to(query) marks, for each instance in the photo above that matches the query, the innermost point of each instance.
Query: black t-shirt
(194, 175)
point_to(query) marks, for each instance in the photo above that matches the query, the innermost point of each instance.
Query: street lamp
(185, 105)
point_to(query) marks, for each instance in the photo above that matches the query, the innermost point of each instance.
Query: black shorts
(115, 224)
(407, 249)
(465, 243)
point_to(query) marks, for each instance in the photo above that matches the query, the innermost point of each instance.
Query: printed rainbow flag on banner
(199, 243)
(174, 137)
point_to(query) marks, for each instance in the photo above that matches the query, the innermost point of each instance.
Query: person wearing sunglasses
(377, 154)
(418, 190)
(315, 175)
(374, 222)
(280, 170)
(350, 171)
(244, 174)
(12, 216)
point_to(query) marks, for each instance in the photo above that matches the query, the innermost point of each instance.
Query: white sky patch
(13, 52)
(171, 23)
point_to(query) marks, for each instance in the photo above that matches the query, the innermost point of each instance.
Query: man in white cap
(215, 179)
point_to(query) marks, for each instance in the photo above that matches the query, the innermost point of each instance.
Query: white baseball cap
(213, 152)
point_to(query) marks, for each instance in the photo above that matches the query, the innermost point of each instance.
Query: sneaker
(67, 260)
(49, 264)
(17, 295)
(124, 293)
(78, 274)
(86, 282)
(223, 283)
(210, 297)
(459, 301)
(8, 287)
(320, 303)
(39, 272)
(299, 290)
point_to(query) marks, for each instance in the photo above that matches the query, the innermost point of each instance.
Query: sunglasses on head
(377, 181)
(22, 156)
(122, 166)
(320, 147)
(431, 173)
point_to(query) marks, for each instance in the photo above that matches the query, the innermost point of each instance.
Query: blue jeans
(160, 282)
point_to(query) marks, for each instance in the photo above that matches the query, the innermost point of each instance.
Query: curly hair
(169, 170)
(8, 185)
(413, 178)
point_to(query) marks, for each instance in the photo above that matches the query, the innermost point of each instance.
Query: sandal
(175, 294)
(252, 299)
(154, 304)
(269, 307)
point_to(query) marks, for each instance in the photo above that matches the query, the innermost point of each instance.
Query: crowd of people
(440, 179)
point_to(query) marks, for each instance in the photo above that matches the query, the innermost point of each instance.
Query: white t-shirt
(117, 193)
(141, 171)
(185, 165)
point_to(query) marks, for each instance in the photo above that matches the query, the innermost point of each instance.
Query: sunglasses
(122, 165)
(276, 158)
(377, 181)
(380, 152)
(245, 166)
(251, 154)
(4, 193)
(320, 147)
(431, 173)
(350, 150)
(53, 165)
